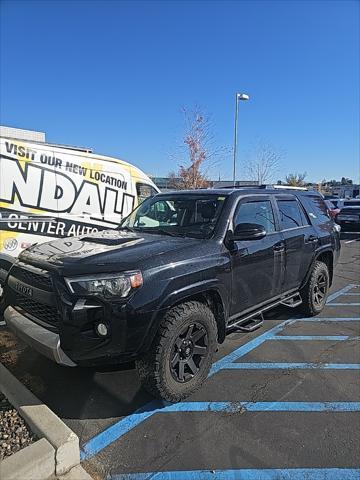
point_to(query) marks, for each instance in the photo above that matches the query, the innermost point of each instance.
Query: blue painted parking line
(329, 319)
(291, 366)
(248, 474)
(340, 292)
(351, 294)
(120, 428)
(102, 440)
(343, 304)
(233, 407)
(311, 337)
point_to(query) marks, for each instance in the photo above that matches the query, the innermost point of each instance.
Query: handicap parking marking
(126, 424)
(337, 338)
(291, 366)
(346, 291)
(343, 304)
(248, 474)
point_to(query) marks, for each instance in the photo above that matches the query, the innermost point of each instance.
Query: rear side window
(291, 215)
(316, 208)
(256, 212)
(144, 191)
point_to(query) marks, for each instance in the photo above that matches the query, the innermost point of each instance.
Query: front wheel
(181, 354)
(314, 293)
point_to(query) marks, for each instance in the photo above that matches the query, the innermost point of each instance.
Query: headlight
(106, 285)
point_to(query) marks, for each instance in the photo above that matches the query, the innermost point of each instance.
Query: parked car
(332, 209)
(182, 270)
(349, 216)
(343, 202)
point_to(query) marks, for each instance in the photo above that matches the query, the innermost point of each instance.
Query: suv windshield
(174, 214)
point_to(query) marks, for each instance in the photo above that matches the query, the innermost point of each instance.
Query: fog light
(101, 329)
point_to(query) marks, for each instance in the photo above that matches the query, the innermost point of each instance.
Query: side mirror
(249, 231)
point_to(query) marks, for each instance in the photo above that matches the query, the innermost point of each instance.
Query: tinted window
(291, 215)
(256, 212)
(316, 208)
(352, 203)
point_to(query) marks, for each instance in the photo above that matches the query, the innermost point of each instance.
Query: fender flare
(182, 295)
(324, 249)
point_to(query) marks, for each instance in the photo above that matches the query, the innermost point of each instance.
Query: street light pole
(239, 96)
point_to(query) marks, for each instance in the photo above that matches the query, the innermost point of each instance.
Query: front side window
(173, 214)
(260, 213)
(291, 215)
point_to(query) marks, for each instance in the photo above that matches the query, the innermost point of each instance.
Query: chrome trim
(39, 338)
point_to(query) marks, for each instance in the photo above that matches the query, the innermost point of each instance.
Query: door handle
(279, 247)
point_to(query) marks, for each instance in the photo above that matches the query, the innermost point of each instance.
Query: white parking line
(355, 240)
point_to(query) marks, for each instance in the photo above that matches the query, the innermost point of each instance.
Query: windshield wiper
(128, 229)
(161, 231)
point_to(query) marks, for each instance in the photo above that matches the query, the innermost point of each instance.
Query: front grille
(46, 313)
(40, 280)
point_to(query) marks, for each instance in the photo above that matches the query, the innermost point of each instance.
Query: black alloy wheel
(320, 289)
(315, 291)
(188, 352)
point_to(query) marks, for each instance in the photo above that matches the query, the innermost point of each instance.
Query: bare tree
(264, 162)
(296, 179)
(198, 153)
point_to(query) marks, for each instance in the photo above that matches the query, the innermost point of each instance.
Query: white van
(50, 191)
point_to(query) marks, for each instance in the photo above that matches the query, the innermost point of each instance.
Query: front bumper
(42, 340)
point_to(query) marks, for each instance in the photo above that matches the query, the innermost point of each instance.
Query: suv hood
(109, 249)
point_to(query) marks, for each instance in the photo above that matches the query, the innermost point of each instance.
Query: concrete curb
(43, 422)
(37, 461)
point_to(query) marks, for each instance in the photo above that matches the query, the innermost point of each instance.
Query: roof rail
(240, 186)
(265, 186)
(288, 187)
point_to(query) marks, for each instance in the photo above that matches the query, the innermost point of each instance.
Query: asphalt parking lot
(280, 403)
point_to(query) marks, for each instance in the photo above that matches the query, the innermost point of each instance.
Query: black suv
(166, 286)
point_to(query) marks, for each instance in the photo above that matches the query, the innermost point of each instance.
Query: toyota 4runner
(165, 287)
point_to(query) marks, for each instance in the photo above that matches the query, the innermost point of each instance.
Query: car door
(300, 240)
(257, 265)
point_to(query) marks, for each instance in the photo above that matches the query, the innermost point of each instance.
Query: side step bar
(292, 302)
(250, 325)
(254, 320)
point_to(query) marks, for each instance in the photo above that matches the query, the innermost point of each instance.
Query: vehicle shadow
(87, 393)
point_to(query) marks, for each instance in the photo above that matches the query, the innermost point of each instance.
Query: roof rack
(265, 186)
(240, 186)
(288, 187)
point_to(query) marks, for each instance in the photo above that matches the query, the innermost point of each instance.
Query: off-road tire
(154, 366)
(309, 306)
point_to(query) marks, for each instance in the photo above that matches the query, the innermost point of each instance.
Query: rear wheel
(181, 354)
(314, 293)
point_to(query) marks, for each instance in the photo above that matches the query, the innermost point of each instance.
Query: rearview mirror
(249, 231)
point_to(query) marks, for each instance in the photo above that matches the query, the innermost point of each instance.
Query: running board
(249, 325)
(292, 302)
(254, 320)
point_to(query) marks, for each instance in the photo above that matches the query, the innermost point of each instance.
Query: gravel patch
(14, 433)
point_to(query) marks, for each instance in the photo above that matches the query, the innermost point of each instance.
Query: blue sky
(113, 75)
